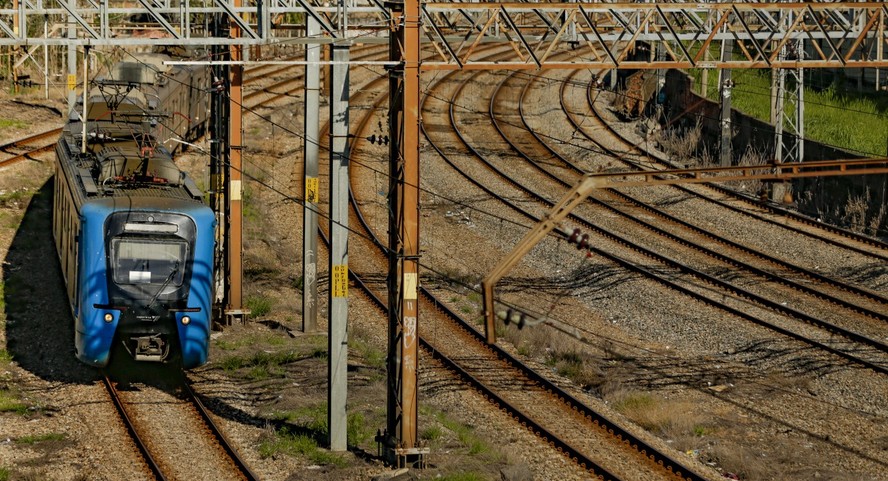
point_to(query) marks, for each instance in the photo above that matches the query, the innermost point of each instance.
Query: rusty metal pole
(234, 297)
(400, 439)
(310, 180)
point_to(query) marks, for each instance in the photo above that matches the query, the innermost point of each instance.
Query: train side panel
(66, 228)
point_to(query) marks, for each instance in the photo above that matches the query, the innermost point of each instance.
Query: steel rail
(594, 417)
(131, 429)
(688, 226)
(589, 413)
(221, 439)
(758, 204)
(21, 143)
(854, 289)
(653, 255)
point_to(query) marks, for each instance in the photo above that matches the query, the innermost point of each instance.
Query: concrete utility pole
(310, 180)
(400, 438)
(338, 300)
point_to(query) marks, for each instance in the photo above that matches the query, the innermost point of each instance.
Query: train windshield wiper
(163, 286)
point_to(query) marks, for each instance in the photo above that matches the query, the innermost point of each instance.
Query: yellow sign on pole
(72, 81)
(339, 284)
(311, 190)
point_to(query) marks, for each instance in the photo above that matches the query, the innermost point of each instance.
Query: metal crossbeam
(838, 34)
(596, 35)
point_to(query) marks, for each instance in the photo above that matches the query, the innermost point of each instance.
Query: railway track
(733, 256)
(871, 355)
(164, 426)
(514, 183)
(580, 432)
(635, 157)
(28, 147)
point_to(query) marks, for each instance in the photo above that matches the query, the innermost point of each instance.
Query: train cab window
(148, 261)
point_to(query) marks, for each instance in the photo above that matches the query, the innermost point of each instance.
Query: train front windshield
(144, 261)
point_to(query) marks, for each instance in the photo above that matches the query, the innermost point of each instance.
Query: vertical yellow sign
(339, 284)
(311, 190)
(72, 81)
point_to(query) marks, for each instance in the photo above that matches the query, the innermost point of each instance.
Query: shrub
(259, 305)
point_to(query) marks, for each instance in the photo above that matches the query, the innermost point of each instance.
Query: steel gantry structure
(783, 36)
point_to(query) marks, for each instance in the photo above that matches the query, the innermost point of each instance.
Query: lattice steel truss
(599, 35)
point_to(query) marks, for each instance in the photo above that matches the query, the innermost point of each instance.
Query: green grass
(464, 433)
(373, 356)
(855, 122)
(266, 339)
(259, 305)
(18, 197)
(432, 433)
(12, 123)
(285, 442)
(314, 418)
(5, 474)
(250, 211)
(462, 477)
(357, 430)
(261, 365)
(41, 438)
(10, 403)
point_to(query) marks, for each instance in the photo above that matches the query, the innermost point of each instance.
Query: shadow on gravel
(39, 327)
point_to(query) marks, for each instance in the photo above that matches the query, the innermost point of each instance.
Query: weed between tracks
(12, 124)
(444, 428)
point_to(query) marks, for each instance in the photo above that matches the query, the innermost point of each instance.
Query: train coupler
(153, 348)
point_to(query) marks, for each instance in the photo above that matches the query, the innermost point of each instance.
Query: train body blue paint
(135, 241)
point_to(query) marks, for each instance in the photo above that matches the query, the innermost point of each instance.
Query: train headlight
(186, 320)
(109, 317)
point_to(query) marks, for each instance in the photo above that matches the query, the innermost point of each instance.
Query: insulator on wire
(574, 237)
(218, 85)
(513, 316)
(381, 140)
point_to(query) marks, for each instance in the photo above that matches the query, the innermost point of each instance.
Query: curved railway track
(167, 462)
(25, 148)
(526, 202)
(28, 147)
(787, 219)
(871, 305)
(549, 411)
(872, 359)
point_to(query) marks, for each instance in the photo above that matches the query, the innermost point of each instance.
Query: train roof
(123, 166)
(147, 68)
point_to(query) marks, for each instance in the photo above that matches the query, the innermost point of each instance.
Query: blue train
(134, 239)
